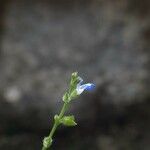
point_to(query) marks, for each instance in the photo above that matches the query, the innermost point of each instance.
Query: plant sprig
(75, 89)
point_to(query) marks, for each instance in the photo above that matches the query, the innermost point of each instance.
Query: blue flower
(81, 87)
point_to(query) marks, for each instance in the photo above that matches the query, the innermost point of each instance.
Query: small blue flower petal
(79, 90)
(89, 86)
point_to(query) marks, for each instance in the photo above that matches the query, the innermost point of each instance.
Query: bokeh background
(43, 41)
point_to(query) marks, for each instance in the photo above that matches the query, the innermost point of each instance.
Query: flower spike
(76, 87)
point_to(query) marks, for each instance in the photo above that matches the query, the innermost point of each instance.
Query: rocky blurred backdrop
(43, 41)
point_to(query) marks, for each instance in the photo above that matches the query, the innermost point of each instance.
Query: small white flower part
(80, 88)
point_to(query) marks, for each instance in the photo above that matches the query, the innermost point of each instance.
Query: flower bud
(47, 142)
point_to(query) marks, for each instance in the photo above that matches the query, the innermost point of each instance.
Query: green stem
(63, 110)
(55, 125)
(44, 148)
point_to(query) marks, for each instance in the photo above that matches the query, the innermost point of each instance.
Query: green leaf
(68, 121)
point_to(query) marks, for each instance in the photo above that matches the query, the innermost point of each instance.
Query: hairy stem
(55, 125)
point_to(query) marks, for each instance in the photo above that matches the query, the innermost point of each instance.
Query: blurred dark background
(43, 41)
